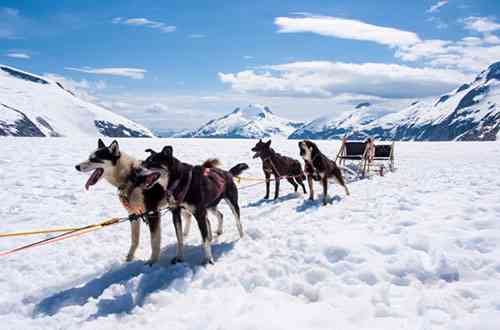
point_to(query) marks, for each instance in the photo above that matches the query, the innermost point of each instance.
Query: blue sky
(177, 64)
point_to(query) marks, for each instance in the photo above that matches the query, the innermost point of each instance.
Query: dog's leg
(155, 230)
(188, 219)
(337, 175)
(277, 186)
(324, 183)
(235, 208)
(268, 184)
(220, 218)
(176, 217)
(300, 180)
(311, 187)
(135, 232)
(203, 224)
(292, 182)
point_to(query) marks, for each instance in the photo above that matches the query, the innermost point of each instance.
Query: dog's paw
(176, 260)
(129, 257)
(218, 233)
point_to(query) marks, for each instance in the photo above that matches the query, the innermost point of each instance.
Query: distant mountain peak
(251, 121)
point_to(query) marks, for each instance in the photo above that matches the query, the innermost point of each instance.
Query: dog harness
(216, 178)
(179, 195)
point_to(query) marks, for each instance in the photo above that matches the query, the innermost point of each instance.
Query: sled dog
(318, 167)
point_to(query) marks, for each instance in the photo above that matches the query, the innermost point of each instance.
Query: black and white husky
(119, 169)
(197, 189)
(318, 167)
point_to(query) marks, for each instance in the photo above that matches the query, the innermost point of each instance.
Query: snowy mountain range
(335, 127)
(469, 113)
(252, 122)
(31, 105)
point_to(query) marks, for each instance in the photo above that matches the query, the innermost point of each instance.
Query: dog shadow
(264, 201)
(151, 279)
(316, 203)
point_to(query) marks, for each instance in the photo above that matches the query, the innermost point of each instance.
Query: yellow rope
(59, 230)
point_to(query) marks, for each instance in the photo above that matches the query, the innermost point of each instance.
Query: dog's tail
(211, 163)
(238, 169)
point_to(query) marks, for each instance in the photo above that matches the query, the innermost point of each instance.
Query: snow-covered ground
(416, 249)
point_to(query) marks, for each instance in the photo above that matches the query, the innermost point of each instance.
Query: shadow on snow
(150, 280)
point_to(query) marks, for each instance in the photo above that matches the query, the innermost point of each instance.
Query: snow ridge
(31, 105)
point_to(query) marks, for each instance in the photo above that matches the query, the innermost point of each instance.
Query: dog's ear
(151, 151)
(114, 148)
(268, 143)
(260, 140)
(100, 144)
(168, 151)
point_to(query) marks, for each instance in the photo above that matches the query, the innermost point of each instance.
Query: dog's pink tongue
(93, 178)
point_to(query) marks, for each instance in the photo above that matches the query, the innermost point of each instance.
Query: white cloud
(23, 56)
(435, 7)
(196, 36)
(346, 29)
(84, 89)
(133, 73)
(156, 108)
(468, 55)
(492, 39)
(162, 27)
(327, 79)
(481, 24)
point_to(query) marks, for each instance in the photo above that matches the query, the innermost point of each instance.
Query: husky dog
(279, 166)
(120, 170)
(320, 168)
(198, 189)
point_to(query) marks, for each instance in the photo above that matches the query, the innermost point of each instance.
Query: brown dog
(279, 166)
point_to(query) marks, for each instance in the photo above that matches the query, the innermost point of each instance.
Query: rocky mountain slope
(31, 105)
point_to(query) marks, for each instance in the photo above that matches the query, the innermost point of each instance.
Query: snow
(416, 249)
(473, 109)
(66, 114)
(252, 121)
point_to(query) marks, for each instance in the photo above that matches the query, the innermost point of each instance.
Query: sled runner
(370, 157)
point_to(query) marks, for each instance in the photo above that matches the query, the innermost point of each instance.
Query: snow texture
(416, 249)
(34, 106)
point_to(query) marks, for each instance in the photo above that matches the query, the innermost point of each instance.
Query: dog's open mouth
(94, 177)
(257, 155)
(151, 179)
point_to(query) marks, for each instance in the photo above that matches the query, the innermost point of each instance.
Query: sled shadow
(317, 203)
(152, 279)
(273, 201)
